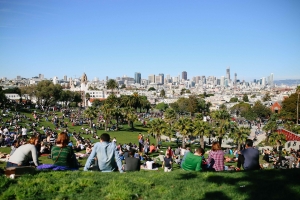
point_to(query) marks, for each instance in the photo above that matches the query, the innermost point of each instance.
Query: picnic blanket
(54, 167)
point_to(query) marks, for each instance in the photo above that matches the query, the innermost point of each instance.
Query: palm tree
(157, 126)
(170, 116)
(277, 137)
(201, 129)
(184, 126)
(144, 103)
(111, 85)
(221, 120)
(117, 113)
(106, 112)
(130, 116)
(239, 135)
(270, 127)
(91, 113)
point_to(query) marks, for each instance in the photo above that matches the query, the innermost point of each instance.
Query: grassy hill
(264, 184)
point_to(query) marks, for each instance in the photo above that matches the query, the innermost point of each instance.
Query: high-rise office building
(263, 81)
(162, 78)
(235, 78)
(272, 80)
(159, 79)
(137, 77)
(151, 78)
(65, 78)
(222, 81)
(184, 75)
(228, 73)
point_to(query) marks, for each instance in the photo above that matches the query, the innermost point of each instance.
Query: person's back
(132, 164)
(192, 162)
(251, 156)
(107, 155)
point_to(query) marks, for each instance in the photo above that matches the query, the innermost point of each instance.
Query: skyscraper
(272, 80)
(228, 73)
(184, 75)
(151, 78)
(235, 78)
(137, 77)
(162, 78)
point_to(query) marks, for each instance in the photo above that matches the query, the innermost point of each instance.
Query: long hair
(32, 140)
(216, 146)
(63, 139)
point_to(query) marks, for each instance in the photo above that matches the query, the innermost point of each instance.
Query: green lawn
(264, 184)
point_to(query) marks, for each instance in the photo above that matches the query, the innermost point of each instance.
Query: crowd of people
(107, 155)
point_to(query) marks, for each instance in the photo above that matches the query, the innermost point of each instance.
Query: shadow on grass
(263, 184)
(186, 176)
(216, 196)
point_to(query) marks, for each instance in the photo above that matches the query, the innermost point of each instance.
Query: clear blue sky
(115, 38)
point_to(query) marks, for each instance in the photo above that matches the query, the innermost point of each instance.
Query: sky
(115, 38)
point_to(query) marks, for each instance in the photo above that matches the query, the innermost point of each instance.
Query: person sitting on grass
(216, 157)
(24, 154)
(249, 157)
(132, 163)
(193, 161)
(107, 156)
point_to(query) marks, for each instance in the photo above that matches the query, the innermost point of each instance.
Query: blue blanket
(54, 167)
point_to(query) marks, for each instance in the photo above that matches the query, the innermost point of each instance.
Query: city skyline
(103, 38)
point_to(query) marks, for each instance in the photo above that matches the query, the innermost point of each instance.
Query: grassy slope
(268, 184)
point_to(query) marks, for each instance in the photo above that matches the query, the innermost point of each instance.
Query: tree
(221, 121)
(185, 127)
(163, 93)
(267, 97)
(123, 86)
(66, 97)
(201, 129)
(182, 91)
(3, 98)
(151, 89)
(130, 116)
(261, 110)
(106, 112)
(192, 104)
(111, 85)
(157, 126)
(117, 113)
(270, 128)
(48, 93)
(77, 98)
(162, 106)
(91, 113)
(277, 136)
(97, 103)
(170, 116)
(245, 98)
(234, 99)
(240, 108)
(239, 135)
(144, 103)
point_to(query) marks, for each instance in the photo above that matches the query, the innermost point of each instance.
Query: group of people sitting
(107, 156)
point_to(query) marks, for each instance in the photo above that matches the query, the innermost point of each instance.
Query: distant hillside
(289, 82)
